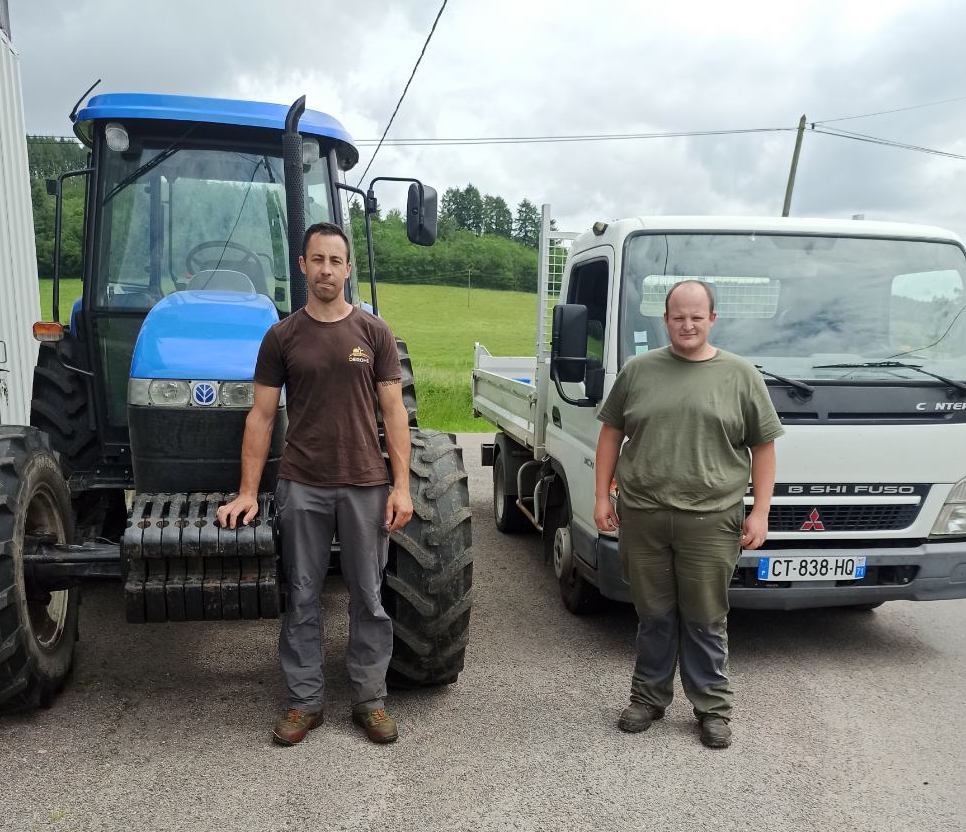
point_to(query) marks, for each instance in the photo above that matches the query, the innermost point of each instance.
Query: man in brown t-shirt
(337, 364)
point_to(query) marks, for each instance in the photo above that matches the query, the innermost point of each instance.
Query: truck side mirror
(568, 345)
(421, 214)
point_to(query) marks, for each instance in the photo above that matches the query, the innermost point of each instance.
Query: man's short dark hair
(326, 229)
(703, 284)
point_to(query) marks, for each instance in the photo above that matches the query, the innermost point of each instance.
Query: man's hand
(399, 509)
(754, 531)
(244, 507)
(605, 515)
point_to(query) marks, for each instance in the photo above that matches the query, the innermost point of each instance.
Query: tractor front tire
(408, 381)
(38, 629)
(60, 408)
(427, 589)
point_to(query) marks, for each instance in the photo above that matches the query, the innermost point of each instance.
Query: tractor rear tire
(60, 408)
(427, 589)
(38, 629)
(408, 381)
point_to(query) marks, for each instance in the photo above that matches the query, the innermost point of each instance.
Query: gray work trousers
(308, 517)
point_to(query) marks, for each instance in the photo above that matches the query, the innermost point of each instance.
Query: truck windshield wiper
(806, 390)
(894, 365)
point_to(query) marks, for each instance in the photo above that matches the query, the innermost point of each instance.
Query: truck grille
(867, 518)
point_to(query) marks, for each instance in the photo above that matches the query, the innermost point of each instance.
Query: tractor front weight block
(180, 565)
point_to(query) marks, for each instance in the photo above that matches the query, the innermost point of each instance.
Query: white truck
(860, 331)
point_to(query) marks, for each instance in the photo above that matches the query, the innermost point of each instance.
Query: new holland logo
(203, 394)
(814, 523)
(359, 356)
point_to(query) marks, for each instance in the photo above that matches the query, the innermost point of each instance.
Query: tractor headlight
(168, 392)
(138, 392)
(117, 138)
(237, 394)
(951, 521)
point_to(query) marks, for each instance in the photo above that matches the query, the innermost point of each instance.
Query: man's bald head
(690, 286)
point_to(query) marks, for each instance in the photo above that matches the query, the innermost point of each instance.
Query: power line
(896, 110)
(412, 75)
(863, 137)
(587, 137)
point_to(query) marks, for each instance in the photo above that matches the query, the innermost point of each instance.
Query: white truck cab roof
(617, 230)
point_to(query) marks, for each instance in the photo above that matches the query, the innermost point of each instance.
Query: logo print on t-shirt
(359, 356)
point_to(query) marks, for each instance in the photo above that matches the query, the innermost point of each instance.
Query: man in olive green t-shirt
(698, 421)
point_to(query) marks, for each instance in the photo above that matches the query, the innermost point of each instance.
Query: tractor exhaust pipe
(294, 200)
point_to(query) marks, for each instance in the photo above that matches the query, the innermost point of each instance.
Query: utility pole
(794, 168)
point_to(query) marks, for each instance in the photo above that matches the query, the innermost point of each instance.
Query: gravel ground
(844, 720)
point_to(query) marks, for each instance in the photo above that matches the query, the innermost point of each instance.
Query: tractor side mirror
(421, 214)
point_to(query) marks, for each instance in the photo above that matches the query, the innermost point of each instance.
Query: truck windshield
(176, 217)
(796, 304)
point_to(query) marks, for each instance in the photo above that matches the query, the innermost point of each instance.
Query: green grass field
(440, 324)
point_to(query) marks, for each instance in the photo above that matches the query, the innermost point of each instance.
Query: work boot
(715, 731)
(638, 717)
(292, 726)
(378, 725)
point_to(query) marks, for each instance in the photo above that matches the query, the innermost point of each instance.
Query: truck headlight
(951, 521)
(237, 394)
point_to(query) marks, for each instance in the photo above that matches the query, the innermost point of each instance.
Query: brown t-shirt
(330, 372)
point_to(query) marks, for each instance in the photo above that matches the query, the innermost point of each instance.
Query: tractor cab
(187, 211)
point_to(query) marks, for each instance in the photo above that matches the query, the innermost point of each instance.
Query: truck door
(572, 431)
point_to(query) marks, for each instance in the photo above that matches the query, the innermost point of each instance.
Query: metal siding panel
(19, 295)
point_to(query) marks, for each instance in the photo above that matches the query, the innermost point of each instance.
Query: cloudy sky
(533, 68)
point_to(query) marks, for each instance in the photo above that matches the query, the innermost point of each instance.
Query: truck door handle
(555, 415)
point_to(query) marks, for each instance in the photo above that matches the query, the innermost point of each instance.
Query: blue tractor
(194, 216)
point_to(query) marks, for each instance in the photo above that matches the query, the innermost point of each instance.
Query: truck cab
(860, 333)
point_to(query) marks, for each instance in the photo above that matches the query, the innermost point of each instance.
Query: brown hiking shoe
(292, 726)
(378, 725)
(638, 717)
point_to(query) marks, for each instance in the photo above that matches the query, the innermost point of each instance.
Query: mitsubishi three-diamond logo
(814, 523)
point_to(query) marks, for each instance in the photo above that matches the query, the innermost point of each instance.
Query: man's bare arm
(608, 450)
(255, 444)
(755, 529)
(399, 506)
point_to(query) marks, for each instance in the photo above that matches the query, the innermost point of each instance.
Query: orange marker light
(48, 331)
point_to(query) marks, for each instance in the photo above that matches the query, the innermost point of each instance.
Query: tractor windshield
(177, 217)
(843, 309)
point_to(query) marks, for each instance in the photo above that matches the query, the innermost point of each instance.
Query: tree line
(481, 241)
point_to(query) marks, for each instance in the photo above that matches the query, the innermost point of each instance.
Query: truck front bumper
(927, 572)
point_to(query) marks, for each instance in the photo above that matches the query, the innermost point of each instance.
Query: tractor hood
(203, 335)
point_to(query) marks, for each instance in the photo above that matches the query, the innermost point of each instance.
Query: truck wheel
(508, 517)
(427, 589)
(408, 381)
(579, 596)
(60, 408)
(38, 629)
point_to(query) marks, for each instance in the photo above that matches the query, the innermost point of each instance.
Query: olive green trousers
(679, 565)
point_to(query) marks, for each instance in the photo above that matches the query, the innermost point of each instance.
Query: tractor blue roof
(120, 106)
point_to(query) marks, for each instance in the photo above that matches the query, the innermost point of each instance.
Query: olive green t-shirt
(689, 426)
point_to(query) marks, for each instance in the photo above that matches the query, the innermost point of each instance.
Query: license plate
(822, 568)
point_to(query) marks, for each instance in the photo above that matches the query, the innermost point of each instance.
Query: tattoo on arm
(390, 382)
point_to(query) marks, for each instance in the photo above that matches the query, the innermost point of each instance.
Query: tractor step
(182, 566)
